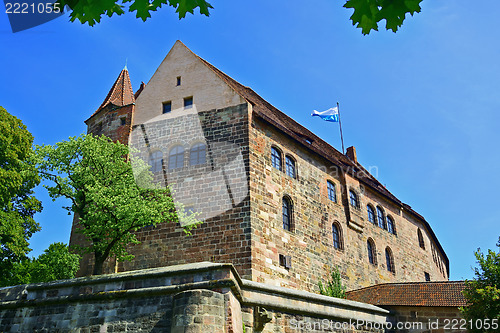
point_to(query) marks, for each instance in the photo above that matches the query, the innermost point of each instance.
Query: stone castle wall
(310, 242)
(195, 298)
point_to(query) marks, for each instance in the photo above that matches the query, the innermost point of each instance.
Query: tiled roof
(286, 124)
(445, 293)
(120, 94)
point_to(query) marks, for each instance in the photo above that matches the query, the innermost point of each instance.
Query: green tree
(111, 198)
(18, 177)
(483, 293)
(56, 263)
(367, 13)
(333, 287)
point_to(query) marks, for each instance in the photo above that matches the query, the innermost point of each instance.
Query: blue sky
(421, 105)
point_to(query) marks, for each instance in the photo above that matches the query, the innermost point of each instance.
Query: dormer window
(188, 102)
(178, 81)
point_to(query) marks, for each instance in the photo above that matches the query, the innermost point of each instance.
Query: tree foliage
(366, 16)
(56, 263)
(483, 293)
(18, 177)
(333, 287)
(368, 13)
(111, 199)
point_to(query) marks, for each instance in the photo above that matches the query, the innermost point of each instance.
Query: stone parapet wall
(194, 298)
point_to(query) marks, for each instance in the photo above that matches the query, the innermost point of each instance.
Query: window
(197, 154)
(188, 102)
(389, 259)
(176, 158)
(380, 218)
(337, 236)
(178, 80)
(371, 214)
(427, 277)
(123, 121)
(290, 166)
(167, 107)
(287, 214)
(372, 254)
(353, 199)
(390, 225)
(285, 261)
(276, 158)
(156, 161)
(420, 239)
(332, 193)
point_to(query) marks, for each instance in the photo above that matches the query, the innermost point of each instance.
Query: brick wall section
(219, 189)
(113, 122)
(310, 243)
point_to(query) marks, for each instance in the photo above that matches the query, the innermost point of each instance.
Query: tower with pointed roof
(278, 202)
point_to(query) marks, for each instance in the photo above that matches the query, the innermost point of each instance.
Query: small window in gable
(123, 121)
(427, 277)
(290, 166)
(167, 107)
(188, 102)
(178, 80)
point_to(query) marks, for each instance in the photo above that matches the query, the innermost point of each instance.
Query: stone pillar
(198, 311)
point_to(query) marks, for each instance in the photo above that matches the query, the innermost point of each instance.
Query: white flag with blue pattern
(332, 114)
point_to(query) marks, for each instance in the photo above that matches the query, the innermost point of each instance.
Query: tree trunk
(99, 264)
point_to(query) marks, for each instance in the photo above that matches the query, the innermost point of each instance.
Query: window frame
(194, 149)
(420, 237)
(165, 104)
(389, 260)
(276, 155)
(338, 243)
(292, 165)
(287, 213)
(331, 191)
(372, 252)
(390, 222)
(157, 166)
(371, 214)
(176, 155)
(381, 218)
(353, 199)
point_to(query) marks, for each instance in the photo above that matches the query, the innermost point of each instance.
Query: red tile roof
(444, 293)
(120, 94)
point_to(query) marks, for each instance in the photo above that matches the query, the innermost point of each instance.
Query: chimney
(351, 154)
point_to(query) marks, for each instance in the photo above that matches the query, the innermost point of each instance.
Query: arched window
(156, 161)
(389, 259)
(176, 157)
(197, 154)
(337, 236)
(332, 193)
(276, 158)
(353, 198)
(290, 166)
(390, 225)
(380, 218)
(420, 239)
(371, 214)
(372, 253)
(287, 214)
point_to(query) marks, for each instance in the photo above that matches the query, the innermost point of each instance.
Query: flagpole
(340, 125)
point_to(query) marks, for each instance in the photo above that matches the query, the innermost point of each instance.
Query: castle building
(276, 201)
